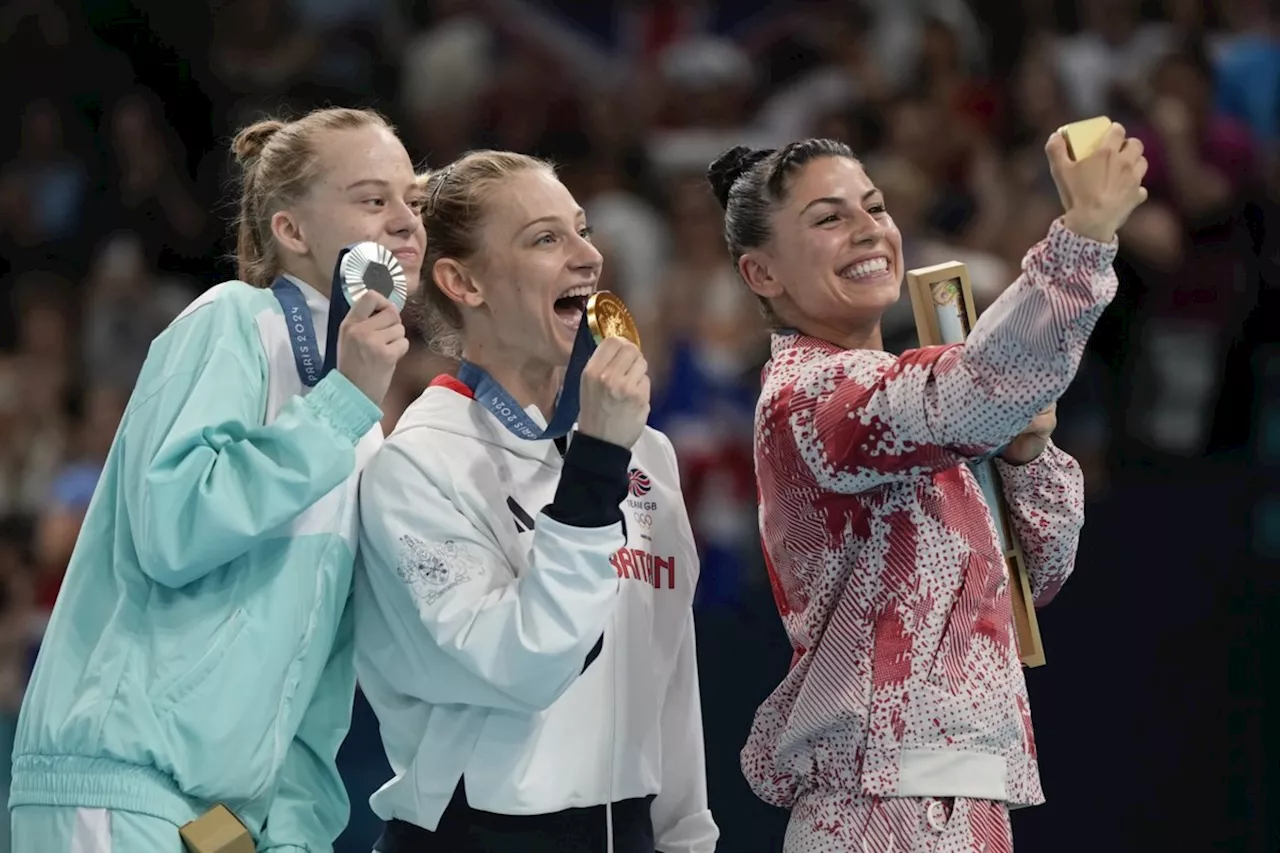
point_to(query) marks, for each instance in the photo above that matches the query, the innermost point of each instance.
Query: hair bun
(249, 142)
(730, 166)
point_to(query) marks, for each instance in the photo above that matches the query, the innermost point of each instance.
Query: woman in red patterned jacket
(903, 723)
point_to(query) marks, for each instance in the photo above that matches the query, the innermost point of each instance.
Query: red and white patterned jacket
(883, 556)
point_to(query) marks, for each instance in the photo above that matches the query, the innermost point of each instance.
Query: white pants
(57, 829)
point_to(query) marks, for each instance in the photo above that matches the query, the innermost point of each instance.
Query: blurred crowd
(116, 191)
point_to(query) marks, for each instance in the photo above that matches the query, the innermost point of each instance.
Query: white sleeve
(525, 638)
(682, 822)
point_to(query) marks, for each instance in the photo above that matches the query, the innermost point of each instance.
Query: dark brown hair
(750, 183)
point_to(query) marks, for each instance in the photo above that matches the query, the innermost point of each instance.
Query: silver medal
(370, 266)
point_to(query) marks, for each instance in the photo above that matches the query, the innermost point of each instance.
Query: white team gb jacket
(475, 614)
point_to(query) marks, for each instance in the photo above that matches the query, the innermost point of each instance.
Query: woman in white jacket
(524, 625)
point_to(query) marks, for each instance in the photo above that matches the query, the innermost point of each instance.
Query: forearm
(592, 485)
(1023, 351)
(203, 493)
(1046, 506)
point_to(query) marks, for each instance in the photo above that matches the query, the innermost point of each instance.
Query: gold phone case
(217, 831)
(1083, 136)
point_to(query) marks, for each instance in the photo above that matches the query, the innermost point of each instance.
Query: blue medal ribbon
(312, 367)
(509, 413)
(302, 331)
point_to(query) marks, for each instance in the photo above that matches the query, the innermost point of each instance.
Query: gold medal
(607, 317)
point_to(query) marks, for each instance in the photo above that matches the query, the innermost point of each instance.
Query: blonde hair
(278, 164)
(453, 214)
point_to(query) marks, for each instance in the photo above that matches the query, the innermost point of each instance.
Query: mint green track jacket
(200, 649)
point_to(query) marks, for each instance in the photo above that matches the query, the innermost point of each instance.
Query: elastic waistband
(75, 781)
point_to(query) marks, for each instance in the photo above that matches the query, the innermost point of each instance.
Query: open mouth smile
(572, 304)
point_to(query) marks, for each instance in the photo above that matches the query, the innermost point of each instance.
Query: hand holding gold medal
(608, 317)
(615, 381)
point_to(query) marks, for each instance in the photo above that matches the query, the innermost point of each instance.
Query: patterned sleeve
(1046, 502)
(863, 418)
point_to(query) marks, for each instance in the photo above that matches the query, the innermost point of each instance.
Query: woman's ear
(756, 271)
(287, 230)
(456, 282)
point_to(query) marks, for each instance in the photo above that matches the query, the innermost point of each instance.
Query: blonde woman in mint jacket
(200, 649)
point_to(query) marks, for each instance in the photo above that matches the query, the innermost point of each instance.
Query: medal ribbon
(497, 400)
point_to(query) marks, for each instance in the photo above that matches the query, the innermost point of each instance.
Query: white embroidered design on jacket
(431, 569)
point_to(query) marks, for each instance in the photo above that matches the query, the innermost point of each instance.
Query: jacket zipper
(613, 734)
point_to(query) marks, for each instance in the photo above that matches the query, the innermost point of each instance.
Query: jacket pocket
(223, 639)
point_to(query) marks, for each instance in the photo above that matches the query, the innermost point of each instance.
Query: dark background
(1156, 717)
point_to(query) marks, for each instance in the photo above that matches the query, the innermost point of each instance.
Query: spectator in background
(705, 351)
(1039, 104)
(532, 106)
(701, 302)
(1203, 168)
(1105, 65)
(707, 84)
(154, 194)
(19, 226)
(901, 35)
(35, 385)
(1204, 160)
(127, 303)
(45, 190)
(54, 37)
(300, 52)
(44, 304)
(958, 161)
(1191, 19)
(48, 177)
(356, 39)
(910, 192)
(637, 233)
(255, 52)
(446, 72)
(846, 73)
(1247, 77)
(969, 102)
(58, 525)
